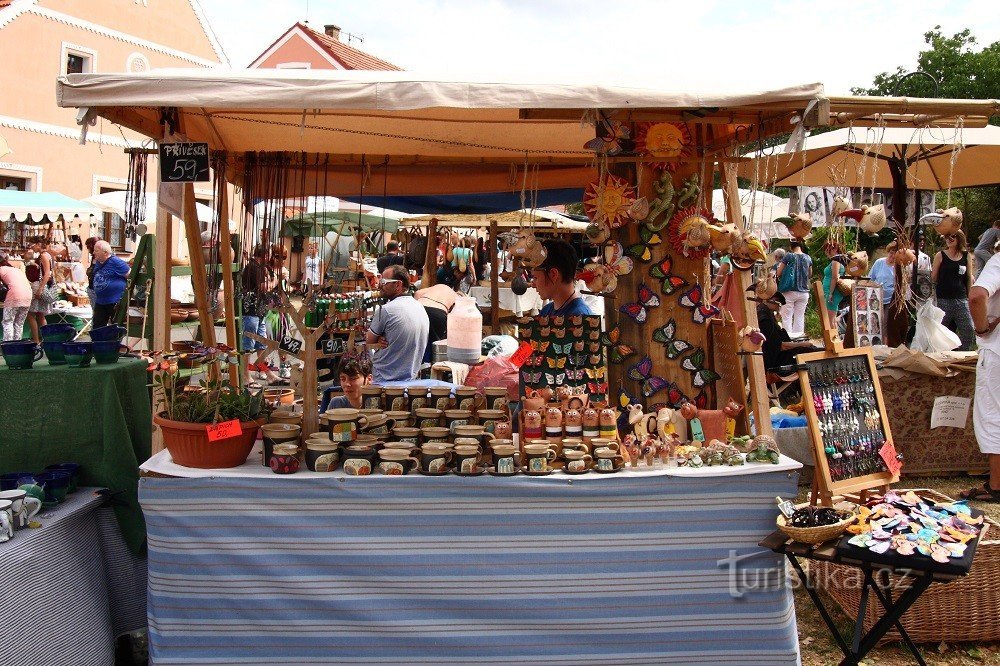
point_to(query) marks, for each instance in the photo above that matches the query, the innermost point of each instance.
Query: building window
(78, 59)
(113, 228)
(12, 183)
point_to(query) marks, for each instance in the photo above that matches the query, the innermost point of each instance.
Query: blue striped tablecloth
(374, 570)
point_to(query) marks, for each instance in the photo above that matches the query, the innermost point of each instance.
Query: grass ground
(819, 649)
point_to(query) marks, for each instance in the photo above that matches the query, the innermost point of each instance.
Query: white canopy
(403, 133)
(114, 202)
(35, 207)
(759, 209)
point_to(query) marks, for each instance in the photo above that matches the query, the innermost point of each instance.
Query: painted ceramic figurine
(573, 423)
(532, 425)
(554, 425)
(608, 419)
(591, 424)
(690, 412)
(731, 410)
(765, 450)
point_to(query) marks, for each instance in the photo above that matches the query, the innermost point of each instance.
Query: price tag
(892, 462)
(290, 344)
(522, 354)
(224, 430)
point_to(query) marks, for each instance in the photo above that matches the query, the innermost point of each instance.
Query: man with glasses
(555, 280)
(400, 328)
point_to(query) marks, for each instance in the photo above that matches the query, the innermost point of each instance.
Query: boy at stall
(355, 372)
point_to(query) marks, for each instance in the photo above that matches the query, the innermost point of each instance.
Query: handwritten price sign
(892, 461)
(521, 355)
(290, 344)
(224, 430)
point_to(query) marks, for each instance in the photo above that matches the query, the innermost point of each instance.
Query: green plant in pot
(188, 414)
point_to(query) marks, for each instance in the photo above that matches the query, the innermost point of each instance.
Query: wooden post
(163, 242)
(228, 288)
(494, 280)
(430, 255)
(761, 404)
(199, 278)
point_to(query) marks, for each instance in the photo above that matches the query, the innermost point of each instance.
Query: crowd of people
(31, 286)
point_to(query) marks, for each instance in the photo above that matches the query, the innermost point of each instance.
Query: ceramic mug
(395, 400)
(574, 444)
(604, 443)
(608, 459)
(343, 423)
(410, 448)
(284, 459)
(275, 434)
(506, 458)
(465, 398)
(428, 417)
(577, 461)
(358, 460)
(434, 458)
(435, 435)
(286, 416)
(406, 434)
(371, 397)
(416, 397)
(78, 354)
(468, 458)
(488, 418)
(24, 507)
(74, 473)
(13, 480)
(378, 423)
(322, 455)
(538, 457)
(402, 419)
(441, 398)
(496, 397)
(396, 462)
(56, 485)
(21, 354)
(6, 520)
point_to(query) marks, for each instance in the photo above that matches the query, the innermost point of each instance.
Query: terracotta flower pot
(189, 446)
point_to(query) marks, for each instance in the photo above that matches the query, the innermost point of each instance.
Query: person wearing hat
(555, 281)
(778, 348)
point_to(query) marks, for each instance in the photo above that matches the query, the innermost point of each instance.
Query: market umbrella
(759, 210)
(314, 225)
(926, 158)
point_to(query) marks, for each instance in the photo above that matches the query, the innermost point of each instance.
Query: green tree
(962, 71)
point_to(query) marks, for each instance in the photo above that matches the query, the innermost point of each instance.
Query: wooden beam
(199, 278)
(430, 256)
(494, 279)
(228, 287)
(761, 404)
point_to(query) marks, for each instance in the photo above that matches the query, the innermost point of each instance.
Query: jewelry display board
(848, 426)
(565, 351)
(866, 313)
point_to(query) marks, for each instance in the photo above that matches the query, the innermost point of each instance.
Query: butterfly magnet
(663, 271)
(639, 310)
(700, 311)
(695, 364)
(617, 350)
(643, 250)
(642, 372)
(666, 335)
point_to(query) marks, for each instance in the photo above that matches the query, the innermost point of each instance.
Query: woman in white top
(314, 266)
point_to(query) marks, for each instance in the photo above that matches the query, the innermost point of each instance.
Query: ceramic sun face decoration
(665, 141)
(950, 222)
(609, 201)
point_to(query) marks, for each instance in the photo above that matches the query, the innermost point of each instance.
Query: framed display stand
(866, 313)
(846, 417)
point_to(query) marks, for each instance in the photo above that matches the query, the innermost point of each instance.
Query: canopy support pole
(761, 404)
(199, 277)
(491, 251)
(228, 288)
(430, 255)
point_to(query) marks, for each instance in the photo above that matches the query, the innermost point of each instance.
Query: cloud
(709, 44)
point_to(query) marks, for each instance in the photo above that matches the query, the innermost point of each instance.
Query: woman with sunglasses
(952, 276)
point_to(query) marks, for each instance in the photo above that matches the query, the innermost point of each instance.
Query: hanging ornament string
(958, 144)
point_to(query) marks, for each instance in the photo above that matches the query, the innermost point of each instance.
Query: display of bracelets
(848, 417)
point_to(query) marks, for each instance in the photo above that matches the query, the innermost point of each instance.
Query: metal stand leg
(859, 623)
(891, 618)
(822, 611)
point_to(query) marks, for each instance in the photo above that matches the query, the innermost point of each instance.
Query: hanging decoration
(799, 225)
(608, 200)
(695, 364)
(689, 232)
(947, 221)
(666, 335)
(857, 264)
(669, 283)
(528, 248)
(669, 142)
(639, 310)
(613, 138)
(643, 250)
(700, 311)
(746, 251)
(723, 237)
(617, 350)
(650, 384)
(602, 276)
(751, 339)
(662, 205)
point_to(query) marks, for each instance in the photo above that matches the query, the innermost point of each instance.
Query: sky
(700, 45)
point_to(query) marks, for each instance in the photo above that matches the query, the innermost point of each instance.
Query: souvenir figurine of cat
(554, 425)
(591, 425)
(731, 410)
(532, 428)
(573, 423)
(533, 399)
(608, 420)
(563, 394)
(690, 412)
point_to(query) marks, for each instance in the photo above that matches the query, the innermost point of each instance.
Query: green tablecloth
(99, 417)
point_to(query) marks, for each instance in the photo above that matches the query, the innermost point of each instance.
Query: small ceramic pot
(284, 459)
(608, 460)
(322, 456)
(538, 457)
(74, 473)
(111, 332)
(457, 417)
(60, 333)
(275, 434)
(577, 461)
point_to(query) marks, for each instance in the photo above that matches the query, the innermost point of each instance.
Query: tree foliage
(962, 71)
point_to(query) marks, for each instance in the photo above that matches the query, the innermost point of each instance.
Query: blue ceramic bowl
(107, 351)
(78, 354)
(54, 352)
(57, 332)
(56, 485)
(20, 354)
(12, 480)
(74, 473)
(113, 332)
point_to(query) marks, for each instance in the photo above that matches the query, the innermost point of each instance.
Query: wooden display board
(728, 362)
(829, 372)
(866, 313)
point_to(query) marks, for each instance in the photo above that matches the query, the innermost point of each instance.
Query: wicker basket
(814, 535)
(967, 609)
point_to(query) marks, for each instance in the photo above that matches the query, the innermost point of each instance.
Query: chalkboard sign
(845, 413)
(184, 162)
(289, 344)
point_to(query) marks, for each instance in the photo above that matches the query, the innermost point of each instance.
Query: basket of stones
(817, 524)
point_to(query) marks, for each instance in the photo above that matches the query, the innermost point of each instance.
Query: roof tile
(348, 56)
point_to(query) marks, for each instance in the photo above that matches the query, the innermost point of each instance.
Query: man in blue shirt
(555, 280)
(109, 282)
